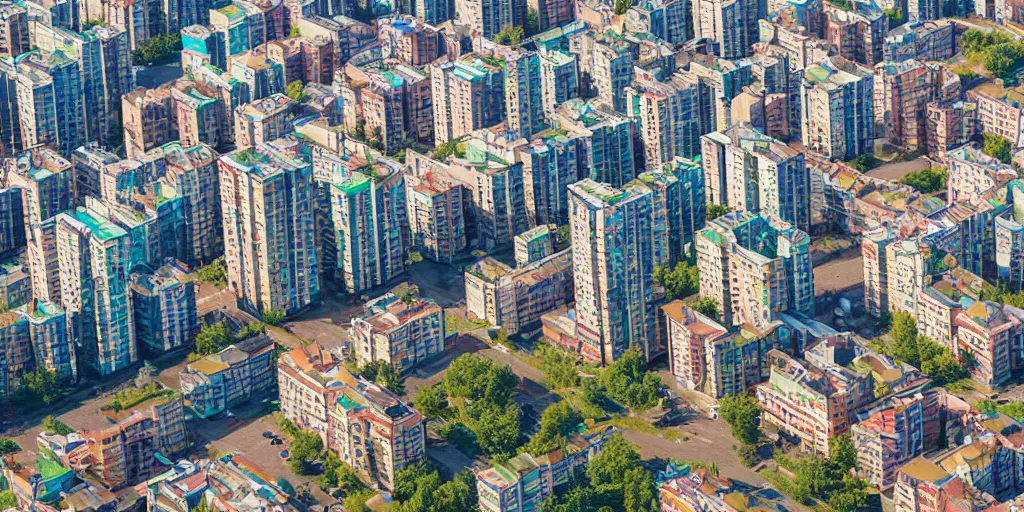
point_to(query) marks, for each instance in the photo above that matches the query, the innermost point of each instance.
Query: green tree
(157, 49)
(40, 386)
(214, 273)
(510, 35)
(462, 438)
(458, 495)
(927, 181)
(54, 426)
(447, 149)
(557, 423)
(212, 338)
(707, 306)
(532, 22)
(842, 453)
(715, 211)
(384, 374)
(997, 147)
(639, 492)
(431, 401)
(294, 90)
(629, 383)
(612, 463)
(357, 502)
(895, 16)
(294, 32)
(497, 428)
(273, 316)
(903, 333)
(865, 162)
(621, 6)
(8, 446)
(305, 448)
(679, 282)
(742, 413)
(558, 367)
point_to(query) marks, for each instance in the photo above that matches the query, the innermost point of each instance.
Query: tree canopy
(742, 413)
(680, 282)
(628, 382)
(926, 181)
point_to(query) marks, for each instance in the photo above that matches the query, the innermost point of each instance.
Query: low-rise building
(125, 453)
(513, 298)
(398, 330)
(369, 428)
(706, 356)
(535, 244)
(231, 482)
(522, 483)
(232, 376)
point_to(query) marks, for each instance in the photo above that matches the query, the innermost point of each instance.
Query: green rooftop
(99, 226)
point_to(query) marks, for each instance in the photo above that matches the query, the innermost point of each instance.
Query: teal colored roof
(102, 228)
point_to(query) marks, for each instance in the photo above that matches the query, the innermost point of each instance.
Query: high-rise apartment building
(523, 93)
(613, 243)
(611, 70)
(51, 103)
(14, 38)
(550, 164)
(164, 304)
(511, 298)
(369, 224)
(192, 172)
(858, 33)
(45, 178)
(902, 92)
(148, 120)
(672, 114)
(488, 17)
(93, 256)
(836, 107)
(732, 23)
(267, 203)
(437, 221)
(468, 95)
(607, 137)
(755, 269)
(494, 180)
(559, 79)
(750, 171)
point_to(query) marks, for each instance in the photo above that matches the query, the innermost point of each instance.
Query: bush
(157, 49)
(273, 316)
(715, 211)
(997, 147)
(8, 446)
(558, 367)
(742, 413)
(926, 181)
(708, 307)
(54, 426)
(214, 273)
(304, 450)
(294, 90)
(629, 383)
(128, 398)
(679, 282)
(865, 162)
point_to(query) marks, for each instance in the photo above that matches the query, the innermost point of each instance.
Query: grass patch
(128, 398)
(575, 398)
(454, 323)
(644, 427)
